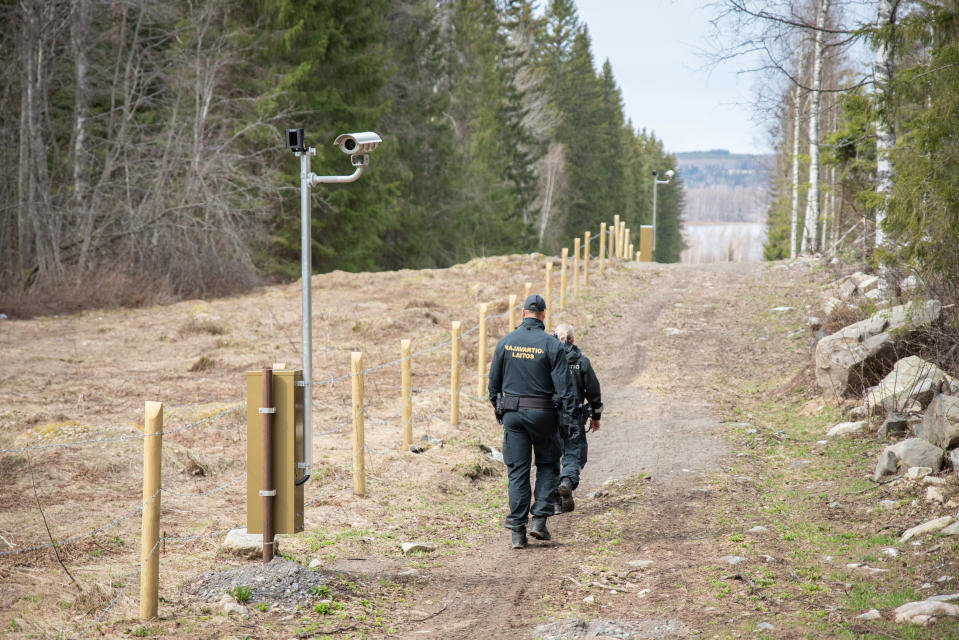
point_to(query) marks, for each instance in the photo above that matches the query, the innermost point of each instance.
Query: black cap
(535, 303)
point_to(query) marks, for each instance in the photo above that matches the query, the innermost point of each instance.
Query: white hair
(565, 333)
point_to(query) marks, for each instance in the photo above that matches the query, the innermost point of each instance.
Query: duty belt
(534, 402)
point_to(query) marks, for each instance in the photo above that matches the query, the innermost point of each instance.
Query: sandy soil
(667, 342)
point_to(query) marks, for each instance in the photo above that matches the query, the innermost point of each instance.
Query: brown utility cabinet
(287, 451)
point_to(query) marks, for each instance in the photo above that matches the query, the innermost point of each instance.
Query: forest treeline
(864, 99)
(145, 150)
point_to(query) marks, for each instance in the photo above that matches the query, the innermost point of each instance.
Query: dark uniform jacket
(586, 383)
(530, 362)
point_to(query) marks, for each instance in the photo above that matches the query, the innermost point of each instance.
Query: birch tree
(809, 238)
(796, 113)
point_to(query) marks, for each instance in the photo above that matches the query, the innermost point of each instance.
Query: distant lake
(723, 242)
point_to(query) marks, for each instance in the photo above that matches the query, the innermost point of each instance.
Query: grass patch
(863, 597)
(241, 593)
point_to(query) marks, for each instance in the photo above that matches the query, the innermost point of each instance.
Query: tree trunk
(80, 43)
(797, 110)
(24, 202)
(885, 134)
(810, 238)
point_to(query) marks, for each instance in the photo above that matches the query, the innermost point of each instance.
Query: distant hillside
(723, 186)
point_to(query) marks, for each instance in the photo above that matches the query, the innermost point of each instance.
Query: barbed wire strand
(122, 591)
(218, 489)
(68, 541)
(135, 436)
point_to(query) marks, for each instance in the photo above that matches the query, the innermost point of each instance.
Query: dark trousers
(574, 458)
(528, 433)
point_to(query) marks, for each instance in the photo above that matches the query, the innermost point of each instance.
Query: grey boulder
(912, 380)
(249, 545)
(913, 452)
(940, 422)
(895, 425)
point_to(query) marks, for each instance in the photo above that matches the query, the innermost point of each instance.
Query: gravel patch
(279, 583)
(613, 629)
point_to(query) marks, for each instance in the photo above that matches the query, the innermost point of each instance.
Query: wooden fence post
(631, 251)
(406, 399)
(586, 260)
(575, 267)
(617, 237)
(481, 353)
(455, 374)
(527, 291)
(549, 288)
(359, 430)
(562, 279)
(612, 243)
(602, 246)
(622, 239)
(150, 526)
(512, 312)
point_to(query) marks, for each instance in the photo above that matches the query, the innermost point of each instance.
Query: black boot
(565, 491)
(519, 538)
(538, 528)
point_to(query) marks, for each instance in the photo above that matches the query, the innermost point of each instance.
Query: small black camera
(294, 140)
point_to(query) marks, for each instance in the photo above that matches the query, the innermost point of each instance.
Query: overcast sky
(654, 48)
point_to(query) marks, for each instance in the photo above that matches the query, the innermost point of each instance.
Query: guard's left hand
(593, 424)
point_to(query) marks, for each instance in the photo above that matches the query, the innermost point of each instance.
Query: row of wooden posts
(618, 246)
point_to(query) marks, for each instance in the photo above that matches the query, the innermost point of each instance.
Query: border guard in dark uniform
(589, 406)
(529, 368)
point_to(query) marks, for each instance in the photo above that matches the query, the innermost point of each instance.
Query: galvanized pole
(306, 271)
(655, 182)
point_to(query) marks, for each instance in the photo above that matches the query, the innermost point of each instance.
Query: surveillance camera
(294, 140)
(670, 173)
(357, 143)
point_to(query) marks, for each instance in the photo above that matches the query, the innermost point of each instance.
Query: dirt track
(659, 422)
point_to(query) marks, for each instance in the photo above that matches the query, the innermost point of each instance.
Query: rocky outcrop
(859, 355)
(858, 283)
(912, 382)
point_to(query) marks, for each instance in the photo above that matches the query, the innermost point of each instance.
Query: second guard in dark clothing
(589, 406)
(528, 370)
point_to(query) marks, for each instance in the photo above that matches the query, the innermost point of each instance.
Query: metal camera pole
(359, 142)
(306, 271)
